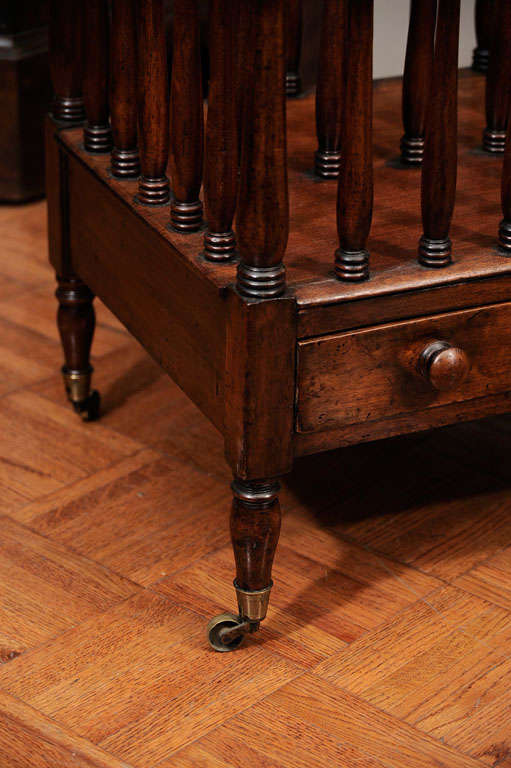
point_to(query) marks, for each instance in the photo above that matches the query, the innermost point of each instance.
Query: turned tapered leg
(255, 528)
(76, 321)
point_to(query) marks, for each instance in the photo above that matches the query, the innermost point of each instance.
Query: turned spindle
(66, 60)
(152, 100)
(417, 79)
(439, 169)
(123, 90)
(293, 47)
(499, 77)
(186, 118)
(221, 168)
(483, 22)
(505, 224)
(355, 191)
(97, 135)
(263, 208)
(329, 91)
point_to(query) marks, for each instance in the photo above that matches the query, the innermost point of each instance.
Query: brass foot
(84, 401)
(227, 631)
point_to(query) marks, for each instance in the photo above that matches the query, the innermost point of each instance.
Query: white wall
(390, 30)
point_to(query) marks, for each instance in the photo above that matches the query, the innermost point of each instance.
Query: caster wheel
(88, 410)
(219, 623)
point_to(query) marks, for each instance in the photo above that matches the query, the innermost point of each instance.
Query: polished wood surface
(355, 188)
(97, 134)
(262, 216)
(440, 163)
(115, 550)
(66, 60)
(330, 88)
(385, 362)
(152, 102)
(417, 78)
(221, 171)
(186, 118)
(499, 74)
(123, 89)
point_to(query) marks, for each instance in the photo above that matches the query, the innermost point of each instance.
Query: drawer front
(375, 373)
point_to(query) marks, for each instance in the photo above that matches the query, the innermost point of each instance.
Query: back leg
(76, 320)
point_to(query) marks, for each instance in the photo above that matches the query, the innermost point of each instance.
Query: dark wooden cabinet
(328, 293)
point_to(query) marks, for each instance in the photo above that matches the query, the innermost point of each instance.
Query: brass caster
(227, 631)
(88, 409)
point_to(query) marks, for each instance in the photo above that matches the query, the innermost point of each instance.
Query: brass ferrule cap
(253, 605)
(77, 384)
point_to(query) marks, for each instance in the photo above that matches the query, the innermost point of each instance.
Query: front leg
(255, 528)
(76, 321)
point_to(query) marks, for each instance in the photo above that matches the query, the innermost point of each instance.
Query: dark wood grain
(260, 370)
(255, 529)
(221, 168)
(440, 163)
(505, 197)
(355, 190)
(483, 22)
(293, 46)
(329, 90)
(263, 207)
(97, 135)
(123, 89)
(417, 78)
(499, 76)
(66, 60)
(384, 361)
(186, 118)
(152, 102)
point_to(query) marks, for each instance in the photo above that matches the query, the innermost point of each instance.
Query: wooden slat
(152, 102)
(417, 78)
(499, 76)
(97, 135)
(440, 162)
(66, 60)
(355, 190)
(330, 89)
(483, 19)
(293, 46)
(221, 171)
(186, 118)
(123, 89)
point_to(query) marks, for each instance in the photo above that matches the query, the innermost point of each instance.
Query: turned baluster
(293, 47)
(263, 210)
(499, 77)
(483, 19)
(439, 168)
(329, 91)
(417, 78)
(355, 193)
(221, 171)
(187, 118)
(66, 60)
(123, 90)
(152, 100)
(505, 224)
(97, 136)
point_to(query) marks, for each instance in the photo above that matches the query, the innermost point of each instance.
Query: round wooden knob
(444, 366)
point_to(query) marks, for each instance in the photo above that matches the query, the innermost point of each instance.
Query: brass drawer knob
(444, 366)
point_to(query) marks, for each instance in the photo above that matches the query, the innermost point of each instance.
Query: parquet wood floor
(388, 641)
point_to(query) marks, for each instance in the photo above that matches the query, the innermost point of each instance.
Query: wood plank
(162, 301)
(141, 681)
(27, 738)
(47, 589)
(490, 580)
